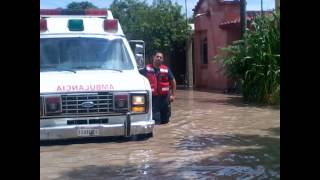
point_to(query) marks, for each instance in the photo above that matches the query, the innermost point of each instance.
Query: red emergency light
(50, 11)
(96, 12)
(43, 25)
(110, 25)
(93, 12)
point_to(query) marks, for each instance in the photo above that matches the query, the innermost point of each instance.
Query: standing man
(161, 79)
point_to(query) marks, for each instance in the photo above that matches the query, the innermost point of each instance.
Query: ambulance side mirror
(138, 48)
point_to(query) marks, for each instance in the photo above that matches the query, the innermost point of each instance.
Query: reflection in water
(210, 136)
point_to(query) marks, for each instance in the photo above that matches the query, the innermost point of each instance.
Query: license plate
(88, 132)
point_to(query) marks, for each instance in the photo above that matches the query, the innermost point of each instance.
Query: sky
(251, 4)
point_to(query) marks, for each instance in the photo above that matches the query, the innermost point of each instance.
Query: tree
(161, 25)
(81, 6)
(132, 15)
(191, 19)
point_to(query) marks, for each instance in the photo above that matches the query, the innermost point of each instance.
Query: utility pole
(277, 5)
(188, 79)
(262, 8)
(185, 2)
(243, 19)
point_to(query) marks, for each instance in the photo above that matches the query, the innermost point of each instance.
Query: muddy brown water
(210, 136)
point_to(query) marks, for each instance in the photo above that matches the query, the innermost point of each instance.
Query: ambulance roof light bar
(91, 12)
(109, 25)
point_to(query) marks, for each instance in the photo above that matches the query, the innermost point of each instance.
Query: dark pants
(161, 109)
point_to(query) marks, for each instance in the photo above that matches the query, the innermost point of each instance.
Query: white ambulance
(89, 80)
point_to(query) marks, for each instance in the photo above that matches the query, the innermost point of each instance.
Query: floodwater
(210, 136)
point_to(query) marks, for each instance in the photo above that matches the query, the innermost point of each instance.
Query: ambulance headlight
(138, 103)
(138, 100)
(52, 105)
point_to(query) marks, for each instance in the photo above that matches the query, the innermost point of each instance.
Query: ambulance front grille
(73, 104)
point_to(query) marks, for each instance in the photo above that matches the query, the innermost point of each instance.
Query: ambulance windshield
(79, 53)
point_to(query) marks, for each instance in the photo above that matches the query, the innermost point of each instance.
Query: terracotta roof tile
(235, 18)
(224, 2)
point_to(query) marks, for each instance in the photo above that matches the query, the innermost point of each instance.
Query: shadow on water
(94, 140)
(229, 99)
(207, 168)
(235, 100)
(275, 131)
(238, 164)
(199, 143)
(260, 157)
(259, 160)
(147, 171)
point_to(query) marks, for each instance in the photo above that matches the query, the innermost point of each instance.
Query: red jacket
(159, 85)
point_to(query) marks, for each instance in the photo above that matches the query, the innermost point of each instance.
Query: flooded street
(209, 136)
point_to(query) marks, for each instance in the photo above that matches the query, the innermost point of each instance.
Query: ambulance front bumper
(126, 129)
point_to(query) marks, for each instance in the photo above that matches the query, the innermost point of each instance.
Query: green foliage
(81, 5)
(161, 25)
(255, 61)
(133, 16)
